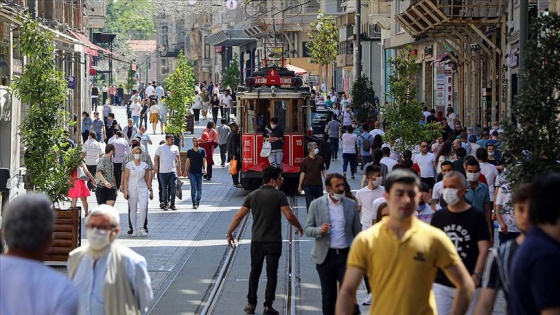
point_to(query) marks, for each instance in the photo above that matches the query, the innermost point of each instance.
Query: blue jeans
(135, 121)
(168, 182)
(275, 158)
(349, 157)
(196, 187)
(365, 160)
(334, 146)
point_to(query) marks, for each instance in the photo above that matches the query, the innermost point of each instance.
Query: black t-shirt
(196, 160)
(465, 229)
(215, 103)
(94, 91)
(277, 133)
(535, 275)
(430, 118)
(120, 91)
(265, 204)
(111, 128)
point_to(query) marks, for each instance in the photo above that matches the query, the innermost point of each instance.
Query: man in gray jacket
(333, 221)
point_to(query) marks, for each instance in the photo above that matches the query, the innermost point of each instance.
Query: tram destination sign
(273, 79)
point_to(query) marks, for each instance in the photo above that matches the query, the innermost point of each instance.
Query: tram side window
(280, 113)
(295, 111)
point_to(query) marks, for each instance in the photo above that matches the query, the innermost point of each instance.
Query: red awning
(89, 47)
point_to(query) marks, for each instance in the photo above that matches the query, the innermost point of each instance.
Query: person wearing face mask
(137, 188)
(366, 197)
(466, 227)
(106, 190)
(275, 135)
(478, 194)
(311, 169)
(110, 277)
(437, 191)
(333, 221)
(267, 205)
(145, 158)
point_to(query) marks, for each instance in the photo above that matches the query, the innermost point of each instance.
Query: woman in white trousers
(137, 189)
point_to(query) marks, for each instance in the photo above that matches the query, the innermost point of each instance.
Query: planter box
(67, 235)
(190, 123)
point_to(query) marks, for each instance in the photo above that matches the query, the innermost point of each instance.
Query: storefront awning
(89, 47)
(229, 38)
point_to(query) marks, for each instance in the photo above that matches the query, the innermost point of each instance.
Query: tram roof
(266, 92)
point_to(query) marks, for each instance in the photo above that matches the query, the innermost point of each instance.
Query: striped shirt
(498, 263)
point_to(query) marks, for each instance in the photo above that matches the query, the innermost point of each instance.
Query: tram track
(290, 286)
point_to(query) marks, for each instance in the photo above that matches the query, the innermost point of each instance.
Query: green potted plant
(181, 85)
(362, 99)
(44, 131)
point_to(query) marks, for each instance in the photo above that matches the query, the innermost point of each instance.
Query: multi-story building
(58, 17)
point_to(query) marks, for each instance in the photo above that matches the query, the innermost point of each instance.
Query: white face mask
(450, 196)
(337, 197)
(315, 151)
(272, 126)
(137, 156)
(378, 181)
(98, 239)
(473, 177)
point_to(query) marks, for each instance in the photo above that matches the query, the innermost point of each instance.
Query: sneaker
(165, 207)
(367, 301)
(249, 309)
(173, 208)
(353, 177)
(130, 231)
(133, 234)
(161, 205)
(142, 232)
(270, 310)
(146, 229)
(195, 206)
(223, 165)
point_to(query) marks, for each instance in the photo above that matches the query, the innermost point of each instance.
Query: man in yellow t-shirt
(401, 255)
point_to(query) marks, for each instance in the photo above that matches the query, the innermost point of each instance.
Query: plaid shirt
(105, 167)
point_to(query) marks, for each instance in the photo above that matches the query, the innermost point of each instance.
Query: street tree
(363, 100)
(49, 157)
(232, 75)
(323, 41)
(404, 112)
(533, 139)
(181, 84)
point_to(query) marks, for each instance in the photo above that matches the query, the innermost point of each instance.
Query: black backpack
(366, 144)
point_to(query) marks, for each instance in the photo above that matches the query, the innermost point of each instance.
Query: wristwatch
(477, 274)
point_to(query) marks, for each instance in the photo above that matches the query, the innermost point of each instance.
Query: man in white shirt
(121, 149)
(160, 91)
(167, 165)
(135, 108)
(425, 161)
(488, 170)
(437, 191)
(367, 195)
(149, 91)
(376, 131)
(226, 102)
(387, 160)
(27, 286)
(111, 278)
(92, 149)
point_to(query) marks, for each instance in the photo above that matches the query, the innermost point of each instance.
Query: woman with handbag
(78, 187)
(137, 189)
(233, 150)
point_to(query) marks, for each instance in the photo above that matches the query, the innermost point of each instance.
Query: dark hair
(495, 133)
(544, 204)
(365, 127)
(270, 172)
(463, 135)
(109, 148)
(378, 217)
(401, 176)
(85, 113)
(377, 142)
(377, 155)
(386, 151)
(331, 176)
(424, 187)
(223, 121)
(349, 129)
(119, 134)
(274, 120)
(522, 193)
(210, 124)
(445, 150)
(372, 169)
(407, 159)
(347, 190)
(471, 161)
(111, 115)
(446, 163)
(93, 134)
(461, 152)
(482, 154)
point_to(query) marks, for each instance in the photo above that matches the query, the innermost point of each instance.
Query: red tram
(273, 92)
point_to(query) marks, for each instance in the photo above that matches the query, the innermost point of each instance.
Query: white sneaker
(134, 234)
(142, 232)
(367, 301)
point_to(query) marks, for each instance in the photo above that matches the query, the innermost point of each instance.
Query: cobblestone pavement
(184, 248)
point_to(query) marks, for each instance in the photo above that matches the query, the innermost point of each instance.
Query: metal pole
(523, 36)
(358, 61)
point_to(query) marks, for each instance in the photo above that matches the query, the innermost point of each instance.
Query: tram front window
(280, 113)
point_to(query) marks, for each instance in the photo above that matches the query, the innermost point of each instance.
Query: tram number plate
(265, 81)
